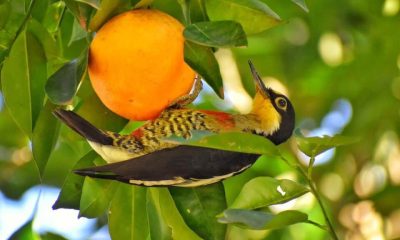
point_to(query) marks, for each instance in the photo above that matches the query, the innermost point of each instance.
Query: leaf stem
(324, 212)
(310, 166)
(314, 191)
(323, 227)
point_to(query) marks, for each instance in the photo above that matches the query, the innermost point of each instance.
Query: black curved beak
(260, 86)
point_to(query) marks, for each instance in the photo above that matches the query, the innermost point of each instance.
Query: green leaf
(143, 3)
(302, 4)
(96, 197)
(127, 217)
(75, 49)
(199, 206)
(78, 32)
(265, 191)
(49, 44)
(15, 137)
(185, 6)
(25, 232)
(62, 85)
(44, 136)
(5, 39)
(262, 220)
(254, 15)
(71, 191)
(64, 156)
(51, 236)
(203, 61)
(81, 12)
(108, 8)
(157, 225)
(232, 141)
(216, 34)
(313, 146)
(54, 16)
(39, 10)
(193, 11)
(171, 215)
(5, 10)
(23, 77)
(92, 3)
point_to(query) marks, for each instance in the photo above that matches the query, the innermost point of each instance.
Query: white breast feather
(110, 153)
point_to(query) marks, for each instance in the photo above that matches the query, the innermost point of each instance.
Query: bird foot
(190, 97)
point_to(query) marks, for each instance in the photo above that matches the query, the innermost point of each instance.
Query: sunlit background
(340, 65)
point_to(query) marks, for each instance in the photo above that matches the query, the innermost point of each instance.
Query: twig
(323, 227)
(316, 194)
(324, 212)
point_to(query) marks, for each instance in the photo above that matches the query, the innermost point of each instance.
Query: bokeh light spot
(369, 221)
(21, 156)
(388, 153)
(339, 117)
(371, 179)
(276, 85)
(297, 32)
(398, 61)
(332, 186)
(346, 216)
(234, 90)
(391, 7)
(331, 49)
(396, 88)
(393, 225)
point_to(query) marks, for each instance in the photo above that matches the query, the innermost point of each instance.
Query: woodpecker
(143, 158)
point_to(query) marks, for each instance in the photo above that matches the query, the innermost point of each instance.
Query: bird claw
(190, 97)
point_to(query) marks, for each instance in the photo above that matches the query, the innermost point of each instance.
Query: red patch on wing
(138, 133)
(225, 119)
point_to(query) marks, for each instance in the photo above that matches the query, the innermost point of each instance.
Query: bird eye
(281, 103)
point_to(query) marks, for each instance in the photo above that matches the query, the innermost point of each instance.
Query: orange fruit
(136, 64)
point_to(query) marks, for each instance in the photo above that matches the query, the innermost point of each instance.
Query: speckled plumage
(178, 122)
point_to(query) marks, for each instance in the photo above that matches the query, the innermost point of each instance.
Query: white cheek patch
(110, 153)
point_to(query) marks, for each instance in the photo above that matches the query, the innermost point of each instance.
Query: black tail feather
(87, 172)
(82, 127)
(99, 172)
(187, 162)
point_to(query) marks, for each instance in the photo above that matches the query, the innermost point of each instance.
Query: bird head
(274, 111)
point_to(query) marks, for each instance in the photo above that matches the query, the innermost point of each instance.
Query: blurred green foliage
(345, 50)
